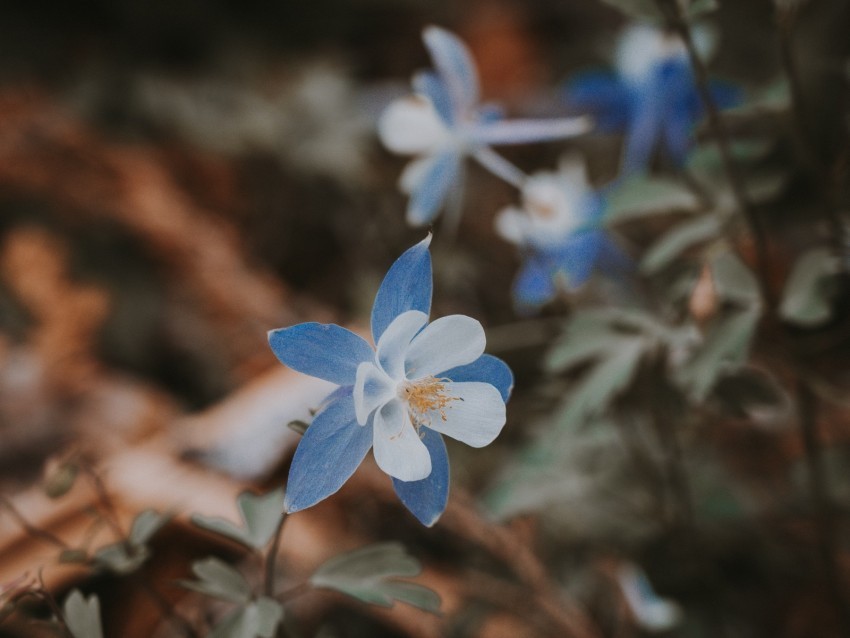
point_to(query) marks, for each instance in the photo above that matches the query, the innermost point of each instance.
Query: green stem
(271, 557)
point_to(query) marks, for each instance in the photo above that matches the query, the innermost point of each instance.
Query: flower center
(425, 396)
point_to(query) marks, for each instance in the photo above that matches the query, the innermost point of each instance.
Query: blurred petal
(398, 449)
(326, 351)
(528, 131)
(512, 224)
(475, 418)
(455, 66)
(411, 126)
(432, 87)
(406, 286)
(331, 450)
(677, 137)
(372, 389)
(487, 369)
(396, 339)
(429, 194)
(445, 343)
(427, 498)
(643, 134)
(413, 174)
(602, 95)
(534, 285)
(577, 257)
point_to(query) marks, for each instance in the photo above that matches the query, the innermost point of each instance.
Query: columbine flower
(652, 97)
(444, 122)
(421, 381)
(559, 231)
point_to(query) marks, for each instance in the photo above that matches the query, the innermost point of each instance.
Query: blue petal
(428, 84)
(406, 286)
(427, 498)
(332, 449)
(455, 66)
(534, 284)
(488, 369)
(677, 136)
(430, 193)
(643, 135)
(577, 257)
(321, 350)
(602, 95)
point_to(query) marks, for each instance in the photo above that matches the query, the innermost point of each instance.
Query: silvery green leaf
(706, 161)
(257, 619)
(82, 615)
(733, 279)
(298, 426)
(775, 97)
(642, 196)
(219, 580)
(806, 300)
(678, 239)
(145, 525)
(577, 347)
(260, 515)
(698, 8)
(369, 574)
(121, 558)
(726, 347)
(603, 382)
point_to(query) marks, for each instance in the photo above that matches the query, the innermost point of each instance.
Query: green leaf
(645, 10)
(698, 8)
(298, 426)
(257, 619)
(775, 97)
(368, 574)
(83, 615)
(643, 196)
(121, 558)
(733, 279)
(726, 347)
(603, 382)
(577, 347)
(145, 525)
(219, 580)
(706, 161)
(807, 298)
(678, 239)
(260, 515)
(61, 479)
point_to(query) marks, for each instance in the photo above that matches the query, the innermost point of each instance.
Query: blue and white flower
(559, 231)
(652, 97)
(444, 122)
(422, 380)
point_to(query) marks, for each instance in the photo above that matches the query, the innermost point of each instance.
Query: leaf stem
(271, 557)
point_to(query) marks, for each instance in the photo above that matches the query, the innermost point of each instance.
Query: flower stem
(271, 557)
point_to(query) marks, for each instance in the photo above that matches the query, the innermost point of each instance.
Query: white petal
(414, 173)
(512, 224)
(372, 388)
(642, 47)
(411, 126)
(444, 344)
(393, 344)
(398, 449)
(475, 417)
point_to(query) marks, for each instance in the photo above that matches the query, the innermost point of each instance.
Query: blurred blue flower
(421, 381)
(559, 231)
(443, 122)
(652, 97)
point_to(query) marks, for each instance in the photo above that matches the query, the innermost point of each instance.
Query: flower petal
(398, 449)
(476, 418)
(534, 285)
(578, 255)
(406, 286)
(528, 131)
(429, 193)
(488, 369)
(427, 498)
(331, 450)
(427, 83)
(512, 224)
(455, 66)
(642, 136)
(443, 344)
(396, 339)
(326, 351)
(411, 126)
(600, 94)
(372, 388)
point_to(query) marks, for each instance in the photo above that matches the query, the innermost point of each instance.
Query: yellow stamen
(425, 396)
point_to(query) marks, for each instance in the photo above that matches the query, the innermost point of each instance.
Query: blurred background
(177, 178)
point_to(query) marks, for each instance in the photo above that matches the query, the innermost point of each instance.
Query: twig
(271, 557)
(29, 528)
